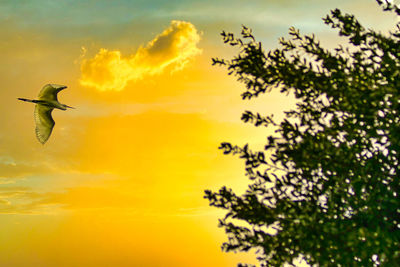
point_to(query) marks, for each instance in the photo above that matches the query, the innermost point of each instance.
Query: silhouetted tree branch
(326, 186)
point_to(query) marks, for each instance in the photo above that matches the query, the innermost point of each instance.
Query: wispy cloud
(173, 48)
(20, 200)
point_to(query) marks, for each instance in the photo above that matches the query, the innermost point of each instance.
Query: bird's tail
(27, 100)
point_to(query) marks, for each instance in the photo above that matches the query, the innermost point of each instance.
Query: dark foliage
(326, 187)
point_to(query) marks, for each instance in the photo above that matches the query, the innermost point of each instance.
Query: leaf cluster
(326, 186)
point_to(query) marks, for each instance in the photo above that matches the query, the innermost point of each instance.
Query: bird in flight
(47, 101)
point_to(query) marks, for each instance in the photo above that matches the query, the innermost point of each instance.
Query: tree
(326, 187)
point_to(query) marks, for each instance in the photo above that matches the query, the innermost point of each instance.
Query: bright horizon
(121, 180)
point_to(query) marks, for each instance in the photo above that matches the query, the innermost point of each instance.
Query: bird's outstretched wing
(44, 122)
(50, 91)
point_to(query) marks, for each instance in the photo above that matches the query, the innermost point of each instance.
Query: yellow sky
(120, 181)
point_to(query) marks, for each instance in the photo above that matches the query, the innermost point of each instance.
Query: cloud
(173, 48)
(11, 171)
(20, 200)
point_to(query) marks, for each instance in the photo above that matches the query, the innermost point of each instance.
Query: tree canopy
(326, 186)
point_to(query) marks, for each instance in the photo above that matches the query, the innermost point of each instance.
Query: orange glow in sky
(174, 47)
(121, 180)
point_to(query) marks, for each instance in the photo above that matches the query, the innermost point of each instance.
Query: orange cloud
(174, 47)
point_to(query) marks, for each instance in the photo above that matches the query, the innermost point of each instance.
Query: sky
(122, 178)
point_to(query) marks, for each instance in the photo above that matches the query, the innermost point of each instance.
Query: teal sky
(108, 20)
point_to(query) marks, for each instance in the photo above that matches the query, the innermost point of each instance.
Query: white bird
(47, 101)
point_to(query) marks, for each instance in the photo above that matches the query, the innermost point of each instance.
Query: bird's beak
(69, 107)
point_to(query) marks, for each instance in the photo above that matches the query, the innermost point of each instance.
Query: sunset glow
(173, 48)
(121, 180)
